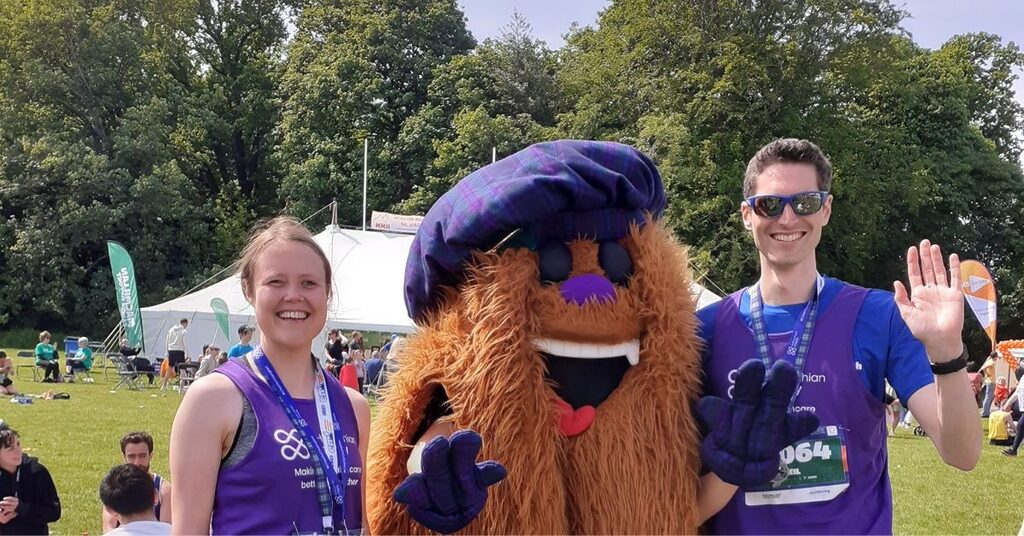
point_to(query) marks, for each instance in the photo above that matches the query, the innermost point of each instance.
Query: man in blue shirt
(243, 347)
(846, 342)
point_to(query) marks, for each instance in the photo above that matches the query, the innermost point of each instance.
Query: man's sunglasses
(803, 203)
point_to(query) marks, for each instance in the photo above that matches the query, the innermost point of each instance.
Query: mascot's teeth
(587, 350)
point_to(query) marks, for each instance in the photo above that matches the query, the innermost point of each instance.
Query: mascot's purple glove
(745, 436)
(452, 488)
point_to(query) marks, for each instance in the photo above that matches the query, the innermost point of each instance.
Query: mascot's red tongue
(573, 421)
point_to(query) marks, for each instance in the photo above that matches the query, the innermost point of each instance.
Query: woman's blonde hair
(266, 233)
(44, 335)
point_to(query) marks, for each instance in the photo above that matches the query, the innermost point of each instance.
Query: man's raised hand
(933, 309)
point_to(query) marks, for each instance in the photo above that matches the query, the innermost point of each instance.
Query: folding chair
(25, 354)
(373, 388)
(85, 374)
(186, 375)
(126, 373)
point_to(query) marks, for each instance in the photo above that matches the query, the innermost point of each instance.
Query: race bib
(813, 469)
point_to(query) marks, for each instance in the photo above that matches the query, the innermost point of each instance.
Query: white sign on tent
(398, 223)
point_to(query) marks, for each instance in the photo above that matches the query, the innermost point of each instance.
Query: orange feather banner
(980, 291)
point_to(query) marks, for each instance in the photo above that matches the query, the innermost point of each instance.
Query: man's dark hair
(788, 150)
(7, 435)
(183, 321)
(137, 437)
(127, 490)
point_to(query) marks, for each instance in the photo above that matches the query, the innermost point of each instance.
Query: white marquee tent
(369, 275)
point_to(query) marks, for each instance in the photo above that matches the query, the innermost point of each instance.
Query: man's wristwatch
(950, 367)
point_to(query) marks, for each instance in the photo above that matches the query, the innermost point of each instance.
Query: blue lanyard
(799, 343)
(326, 468)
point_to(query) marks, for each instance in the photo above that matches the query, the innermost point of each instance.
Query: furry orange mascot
(556, 321)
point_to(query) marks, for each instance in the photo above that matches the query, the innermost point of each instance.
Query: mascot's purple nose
(578, 289)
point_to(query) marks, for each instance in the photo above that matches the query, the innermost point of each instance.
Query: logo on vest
(805, 378)
(291, 445)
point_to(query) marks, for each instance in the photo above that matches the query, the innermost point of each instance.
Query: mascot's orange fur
(634, 470)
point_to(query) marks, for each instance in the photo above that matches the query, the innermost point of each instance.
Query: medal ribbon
(329, 460)
(799, 343)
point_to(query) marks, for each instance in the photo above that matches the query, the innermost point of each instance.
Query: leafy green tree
(238, 46)
(500, 98)
(358, 69)
(86, 155)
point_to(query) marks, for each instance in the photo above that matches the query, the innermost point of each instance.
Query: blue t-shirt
(238, 350)
(883, 347)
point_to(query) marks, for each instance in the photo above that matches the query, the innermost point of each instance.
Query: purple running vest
(831, 385)
(273, 489)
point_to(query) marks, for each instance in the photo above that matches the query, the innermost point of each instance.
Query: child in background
(6, 369)
(347, 375)
(360, 365)
(1001, 391)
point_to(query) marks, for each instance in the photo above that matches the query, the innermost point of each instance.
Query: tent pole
(366, 154)
(494, 154)
(334, 212)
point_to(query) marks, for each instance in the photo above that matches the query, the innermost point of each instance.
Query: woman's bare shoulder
(215, 397)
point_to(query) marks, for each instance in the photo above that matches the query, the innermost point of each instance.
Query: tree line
(173, 126)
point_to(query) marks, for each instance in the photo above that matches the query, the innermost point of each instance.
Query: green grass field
(77, 440)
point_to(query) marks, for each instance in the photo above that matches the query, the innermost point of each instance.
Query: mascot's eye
(555, 262)
(615, 261)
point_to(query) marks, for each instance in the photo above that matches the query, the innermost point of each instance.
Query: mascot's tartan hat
(560, 190)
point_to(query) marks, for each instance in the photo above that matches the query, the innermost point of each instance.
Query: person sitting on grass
(46, 358)
(81, 362)
(6, 369)
(1001, 428)
(28, 498)
(128, 496)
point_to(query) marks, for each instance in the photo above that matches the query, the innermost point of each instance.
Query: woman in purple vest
(269, 444)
